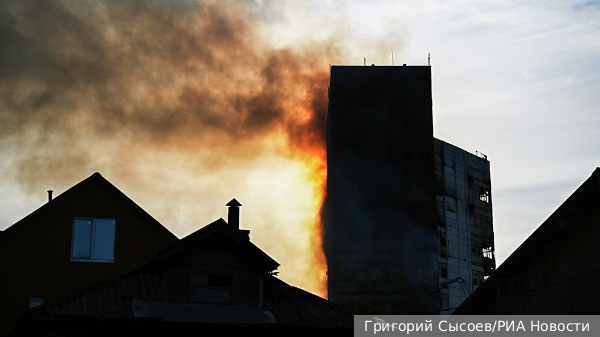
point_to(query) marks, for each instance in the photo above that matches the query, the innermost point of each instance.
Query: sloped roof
(238, 237)
(290, 306)
(295, 307)
(96, 177)
(587, 195)
(110, 299)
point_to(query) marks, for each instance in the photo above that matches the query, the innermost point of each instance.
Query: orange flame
(319, 179)
(314, 147)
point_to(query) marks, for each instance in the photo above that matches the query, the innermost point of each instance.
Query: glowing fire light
(183, 106)
(319, 179)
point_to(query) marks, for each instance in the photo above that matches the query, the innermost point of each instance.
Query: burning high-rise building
(407, 217)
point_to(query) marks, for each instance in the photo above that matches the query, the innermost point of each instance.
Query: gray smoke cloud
(75, 77)
(182, 105)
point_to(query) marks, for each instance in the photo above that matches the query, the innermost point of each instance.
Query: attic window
(211, 287)
(93, 240)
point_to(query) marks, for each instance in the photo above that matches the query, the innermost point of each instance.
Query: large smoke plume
(151, 73)
(181, 104)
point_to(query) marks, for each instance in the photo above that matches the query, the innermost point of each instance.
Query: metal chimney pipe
(233, 216)
(50, 195)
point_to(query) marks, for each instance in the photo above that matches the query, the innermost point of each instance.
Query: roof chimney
(50, 195)
(233, 216)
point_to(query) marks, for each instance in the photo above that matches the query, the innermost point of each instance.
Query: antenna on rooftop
(392, 57)
(365, 61)
(428, 59)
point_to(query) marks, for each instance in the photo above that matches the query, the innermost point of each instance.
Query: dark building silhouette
(464, 218)
(90, 233)
(555, 271)
(212, 282)
(390, 235)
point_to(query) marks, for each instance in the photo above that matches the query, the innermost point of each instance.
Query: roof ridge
(222, 226)
(96, 176)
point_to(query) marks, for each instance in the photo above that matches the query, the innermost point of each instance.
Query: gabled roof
(239, 237)
(96, 177)
(585, 197)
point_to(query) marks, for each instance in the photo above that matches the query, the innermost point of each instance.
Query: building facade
(464, 217)
(390, 191)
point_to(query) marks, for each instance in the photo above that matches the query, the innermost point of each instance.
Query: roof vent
(50, 195)
(233, 216)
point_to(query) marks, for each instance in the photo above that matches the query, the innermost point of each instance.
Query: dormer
(216, 265)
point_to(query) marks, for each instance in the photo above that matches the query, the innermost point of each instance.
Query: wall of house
(464, 213)
(35, 257)
(216, 255)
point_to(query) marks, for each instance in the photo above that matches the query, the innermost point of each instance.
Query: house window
(35, 301)
(93, 240)
(212, 287)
